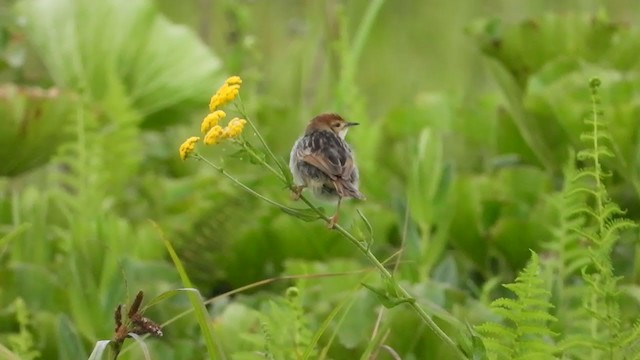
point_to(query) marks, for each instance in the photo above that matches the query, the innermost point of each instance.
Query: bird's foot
(296, 191)
(333, 220)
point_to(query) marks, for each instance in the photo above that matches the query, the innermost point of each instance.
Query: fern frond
(527, 335)
(266, 333)
(601, 301)
(88, 171)
(596, 153)
(586, 291)
(613, 227)
(631, 342)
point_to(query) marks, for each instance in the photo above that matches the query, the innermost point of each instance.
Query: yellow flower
(211, 120)
(188, 146)
(234, 128)
(214, 135)
(231, 92)
(214, 102)
(234, 80)
(226, 94)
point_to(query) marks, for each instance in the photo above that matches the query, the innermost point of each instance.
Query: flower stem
(387, 275)
(363, 247)
(242, 111)
(239, 183)
(261, 160)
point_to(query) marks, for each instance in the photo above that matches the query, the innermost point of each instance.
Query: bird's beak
(349, 124)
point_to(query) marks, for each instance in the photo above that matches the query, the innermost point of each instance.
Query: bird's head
(330, 122)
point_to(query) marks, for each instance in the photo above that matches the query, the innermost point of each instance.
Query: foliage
(590, 223)
(529, 336)
(470, 158)
(31, 123)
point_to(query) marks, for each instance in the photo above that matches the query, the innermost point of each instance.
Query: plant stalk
(364, 249)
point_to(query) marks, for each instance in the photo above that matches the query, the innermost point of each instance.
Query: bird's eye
(336, 125)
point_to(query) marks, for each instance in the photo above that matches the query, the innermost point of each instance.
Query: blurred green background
(468, 112)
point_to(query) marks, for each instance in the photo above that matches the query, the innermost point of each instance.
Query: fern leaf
(527, 335)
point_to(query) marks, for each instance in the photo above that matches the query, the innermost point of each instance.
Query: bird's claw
(296, 192)
(333, 220)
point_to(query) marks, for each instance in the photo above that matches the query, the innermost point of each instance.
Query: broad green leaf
(32, 126)
(425, 177)
(467, 228)
(559, 92)
(160, 64)
(69, 343)
(526, 124)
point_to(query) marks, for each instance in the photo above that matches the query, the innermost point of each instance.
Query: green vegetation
(498, 145)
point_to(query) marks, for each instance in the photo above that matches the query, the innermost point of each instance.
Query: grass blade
(166, 295)
(99, 349)
(196, 300)
(70, 345)
(143, 345)
(324, 327)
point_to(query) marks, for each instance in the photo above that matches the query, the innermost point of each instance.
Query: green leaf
(364, 235)
(387, 299)
(245, 155)
(324, 326)
(527, 126)
(159, 64)
(7, 354)
(99, 349)
(167, 295)
(467, 230)
(143, 346)
(304, 214)
(6, 239)
(366, 223)
(195, 299)
(69, 343)
(425, 178)
(286, 172)
(32, 122)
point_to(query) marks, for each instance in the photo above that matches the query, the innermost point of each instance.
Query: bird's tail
(346, 189)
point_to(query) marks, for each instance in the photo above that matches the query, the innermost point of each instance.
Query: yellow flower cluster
(211, 120)
(234, 128)
(214, 135)
(218, 133)
(227, 92)
(210, 126)
(188, 146)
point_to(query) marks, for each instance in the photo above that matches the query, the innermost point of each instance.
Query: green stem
(239, 183)
(363, 31)
(244, 114)
(117, 347)
(387, 275)
(364, 249)
(257, 157)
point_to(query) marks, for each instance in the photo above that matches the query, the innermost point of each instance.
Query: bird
(322, 161)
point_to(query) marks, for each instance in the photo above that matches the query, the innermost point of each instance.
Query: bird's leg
(333, 220)
(296, 191)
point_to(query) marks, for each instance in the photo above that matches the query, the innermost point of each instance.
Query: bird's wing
(347, 168)
(334, 161)
(331, 169)
(325, 152)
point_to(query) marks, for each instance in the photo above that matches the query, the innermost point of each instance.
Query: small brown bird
(322, 161)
